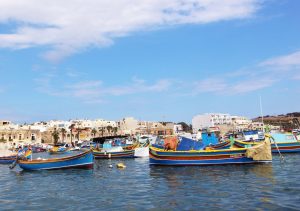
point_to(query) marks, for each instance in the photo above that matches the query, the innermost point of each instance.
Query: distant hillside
(287, 121)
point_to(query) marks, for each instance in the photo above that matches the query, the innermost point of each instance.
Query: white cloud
(251, 85)
(286, 62)
(228, 86)
(95, 91)
(210, 85)
(69, 26)
(262, 75)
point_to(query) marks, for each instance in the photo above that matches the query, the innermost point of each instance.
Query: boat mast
(261, 112)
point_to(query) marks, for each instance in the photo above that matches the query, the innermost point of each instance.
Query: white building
(128, 125)
(59, 124)
(210, 120)
(98, 123)
(215, 119)
(178, 129)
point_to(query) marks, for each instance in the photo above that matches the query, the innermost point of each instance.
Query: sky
(155, 60)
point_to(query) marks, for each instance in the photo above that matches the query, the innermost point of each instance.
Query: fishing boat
(260, 153)
(285, 142)
(84, 160)
(142, 150)
(112, 147)
(58, 149)
(8, 159)
(38, 149)
(110, 154)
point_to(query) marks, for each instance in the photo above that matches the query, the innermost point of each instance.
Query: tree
(63, 133)
(94, 131)
(78, 133)
(72, 126)
(101, 129)
(115, 130)
(55, 135)
(109, 129)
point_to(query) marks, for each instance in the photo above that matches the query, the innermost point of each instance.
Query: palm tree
(78, 133)
(63, 133)
(72, 126)
(94, 131)
(109, 128)
(101, 129)
(55, 135)
(115, 130)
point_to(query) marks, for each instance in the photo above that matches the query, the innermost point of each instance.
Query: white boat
(141, 152)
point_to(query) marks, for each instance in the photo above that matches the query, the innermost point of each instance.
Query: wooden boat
(8, 159)
(142, 150)
(222, 145)
(58, 150)
(286, 143)
(38, 149)
(102, 154)
(257, 154)
(83, 160)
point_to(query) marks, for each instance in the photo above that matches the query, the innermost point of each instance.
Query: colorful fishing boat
(58, 150)
(37, 149)
(286, 143)
(84, 160)
(142, 150)
(257, 154)
(103, 154)
(8, 159)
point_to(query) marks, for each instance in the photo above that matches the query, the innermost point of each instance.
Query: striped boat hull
(7, 159)
(289, 147)
(112, 155)
(201, 157)
(83, 160)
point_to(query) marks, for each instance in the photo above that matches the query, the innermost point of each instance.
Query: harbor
(140, 186)
(149, 105)
(219, 169)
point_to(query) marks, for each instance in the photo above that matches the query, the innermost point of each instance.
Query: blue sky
(153, 60)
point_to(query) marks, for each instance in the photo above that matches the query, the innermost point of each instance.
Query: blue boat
(189, 152)
(7, 159)
(257, 154)
(286, 143)
(83, 160)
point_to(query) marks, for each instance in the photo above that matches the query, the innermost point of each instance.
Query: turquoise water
(140, 186)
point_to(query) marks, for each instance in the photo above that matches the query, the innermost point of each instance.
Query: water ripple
(140, 186)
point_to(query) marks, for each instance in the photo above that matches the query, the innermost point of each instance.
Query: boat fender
(109, 155)
(121, 165)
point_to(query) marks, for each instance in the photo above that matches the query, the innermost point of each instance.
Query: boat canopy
(283, 137)
(101, 140)
(187, 144)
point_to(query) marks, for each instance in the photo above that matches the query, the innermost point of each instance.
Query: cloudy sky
(150, 59)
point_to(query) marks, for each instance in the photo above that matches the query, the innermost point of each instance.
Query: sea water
(139, 186)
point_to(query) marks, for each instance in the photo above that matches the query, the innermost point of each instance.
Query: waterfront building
(178, 129)
(128, 125)
(210, 120)
(222, 121)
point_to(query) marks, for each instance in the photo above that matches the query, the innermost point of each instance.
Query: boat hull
(201, 157)
(288, 147)
(112, 155)
(141, 152)
(84, 160)
(7, 159)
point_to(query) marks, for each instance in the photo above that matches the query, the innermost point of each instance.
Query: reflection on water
(140, 186)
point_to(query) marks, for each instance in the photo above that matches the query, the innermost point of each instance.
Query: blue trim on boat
(77, 161)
